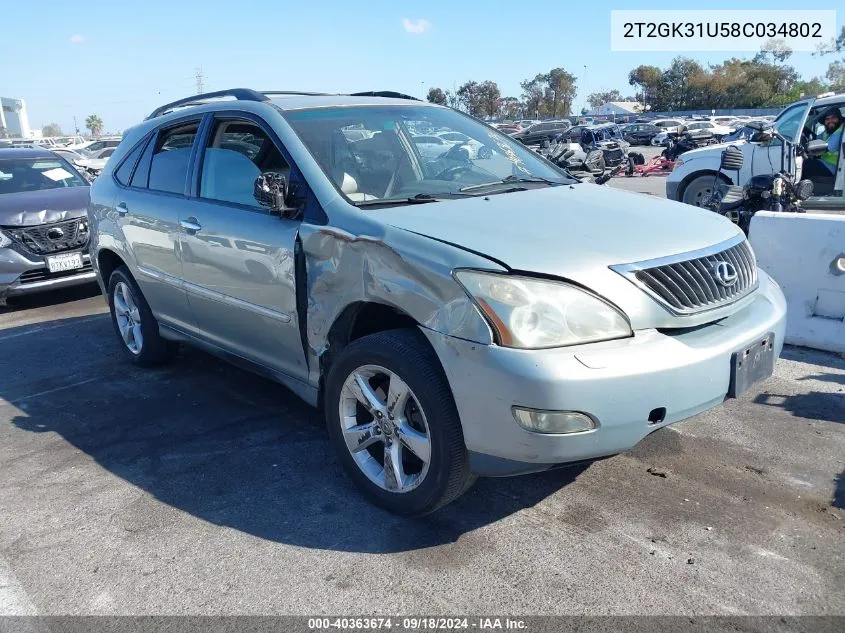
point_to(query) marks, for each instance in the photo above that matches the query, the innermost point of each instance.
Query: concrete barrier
(805, 254)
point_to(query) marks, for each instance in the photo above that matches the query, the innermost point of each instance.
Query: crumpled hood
(573, 232)
(564, 229)
(41, 207)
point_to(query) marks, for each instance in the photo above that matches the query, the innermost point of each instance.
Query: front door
(238, 259)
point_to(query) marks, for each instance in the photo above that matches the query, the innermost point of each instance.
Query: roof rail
(295, 92)
(241, 94)
(383, 93)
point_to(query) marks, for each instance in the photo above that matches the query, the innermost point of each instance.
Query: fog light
(553, 421)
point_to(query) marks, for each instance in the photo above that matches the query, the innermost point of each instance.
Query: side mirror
(271, 190)
(761, 136)
(816, 147)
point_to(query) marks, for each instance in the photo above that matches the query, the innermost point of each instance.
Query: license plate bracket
(64, 262)
(752, 364)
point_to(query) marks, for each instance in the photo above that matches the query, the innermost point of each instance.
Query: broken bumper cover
(618, 383)
(27, 273)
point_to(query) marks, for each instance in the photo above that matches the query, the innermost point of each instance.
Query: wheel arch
(107, 261)
(356, 320)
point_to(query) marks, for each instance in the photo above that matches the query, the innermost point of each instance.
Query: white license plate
(63, 262)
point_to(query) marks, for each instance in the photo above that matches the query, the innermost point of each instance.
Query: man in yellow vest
(822, 170)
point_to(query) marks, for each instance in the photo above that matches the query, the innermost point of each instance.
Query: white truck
(695, 172)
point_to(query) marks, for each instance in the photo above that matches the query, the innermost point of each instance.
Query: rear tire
(136, 327)
(363, 436)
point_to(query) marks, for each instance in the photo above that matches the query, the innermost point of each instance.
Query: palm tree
(95, 124)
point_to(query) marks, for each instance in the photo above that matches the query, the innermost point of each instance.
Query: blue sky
(121, 60)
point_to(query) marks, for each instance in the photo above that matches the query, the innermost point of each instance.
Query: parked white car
(456, 138)
(81, 160)
(430, 146)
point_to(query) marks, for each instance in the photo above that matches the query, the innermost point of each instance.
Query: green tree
(532, 94)
(51, 129)
(774, 48)
(510, 107)
(836, 75)
(649, 81)
(436, 95)
(468, 98)
(489, 98)
(560, 91)
(95, 124)
(597, 99)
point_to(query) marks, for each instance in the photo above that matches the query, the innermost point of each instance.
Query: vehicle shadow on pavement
(205, 438)
(827, 404)
(50, 299)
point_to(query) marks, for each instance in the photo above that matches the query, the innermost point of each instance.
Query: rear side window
(169, 164)
(142, 172)
(124, 172)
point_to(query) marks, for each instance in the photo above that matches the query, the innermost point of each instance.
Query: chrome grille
(44, 239)
(690, 285)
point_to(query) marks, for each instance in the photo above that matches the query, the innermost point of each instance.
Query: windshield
(18, 175)
(399, 161)
(788, 123)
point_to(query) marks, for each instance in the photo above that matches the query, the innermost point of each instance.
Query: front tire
(134, 323)
(393, 422)
(698, 190)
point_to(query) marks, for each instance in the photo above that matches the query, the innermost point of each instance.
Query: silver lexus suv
(471, 311)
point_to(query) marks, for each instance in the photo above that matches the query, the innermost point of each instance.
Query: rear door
(238, 258)
(148, 205)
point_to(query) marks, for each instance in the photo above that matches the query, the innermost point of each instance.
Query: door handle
(122, 209)
(190, 225)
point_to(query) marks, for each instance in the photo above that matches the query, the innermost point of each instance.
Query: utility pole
(75, 126)
(200, 81)
(585, 88)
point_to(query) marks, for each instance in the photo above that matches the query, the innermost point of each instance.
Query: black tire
(406, 353)
(154, 350)
(698, 189)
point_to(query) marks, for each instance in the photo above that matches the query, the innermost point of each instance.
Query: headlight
(4, 240)
(533, 313)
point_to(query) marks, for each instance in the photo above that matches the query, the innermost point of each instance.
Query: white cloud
(417, 27)
(76, 38)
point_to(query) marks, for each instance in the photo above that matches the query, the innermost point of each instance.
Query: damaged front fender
(390, 266)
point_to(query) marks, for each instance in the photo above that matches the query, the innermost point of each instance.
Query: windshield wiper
(420, 198)
(508, 180)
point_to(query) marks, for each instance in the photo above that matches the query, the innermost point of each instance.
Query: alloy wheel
(385, 428)
(128, 317)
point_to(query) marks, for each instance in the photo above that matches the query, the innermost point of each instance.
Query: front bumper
(617, 382)
(672, 189)
(22, 274)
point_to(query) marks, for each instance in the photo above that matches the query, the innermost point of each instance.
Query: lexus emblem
(55, 233)
(725, 273)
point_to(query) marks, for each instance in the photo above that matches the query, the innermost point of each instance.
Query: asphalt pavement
(199, 488)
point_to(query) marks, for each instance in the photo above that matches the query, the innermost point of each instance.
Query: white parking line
(13, 598)
(38, 330)
(44, 393)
